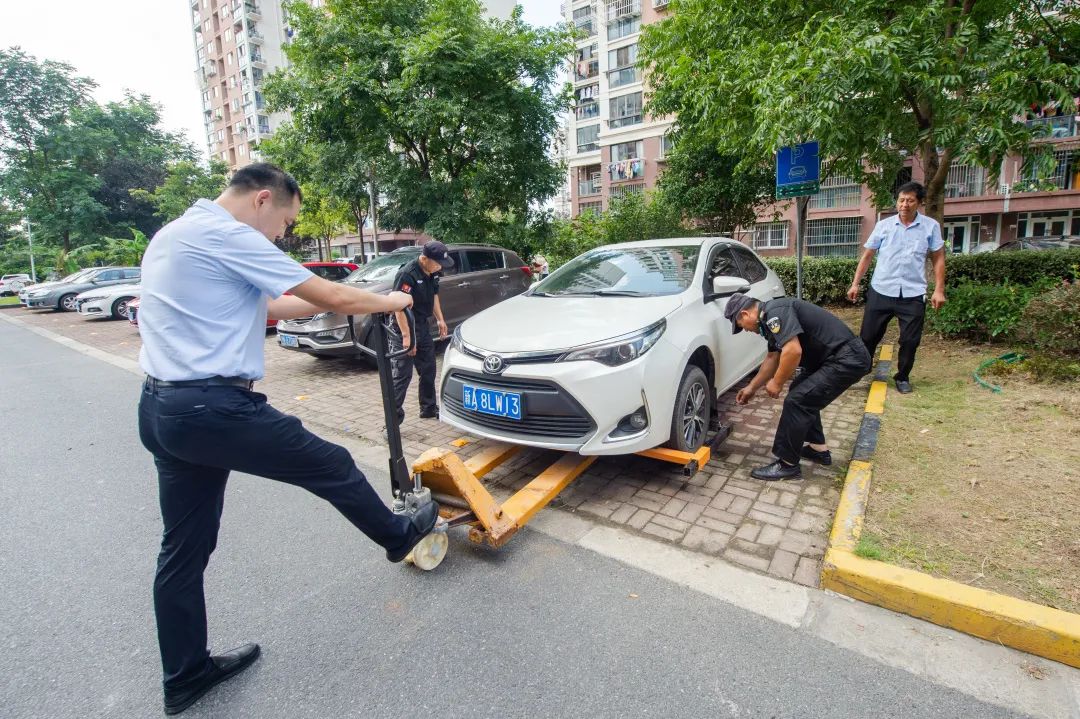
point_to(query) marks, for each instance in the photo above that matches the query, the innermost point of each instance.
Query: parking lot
(776, 528)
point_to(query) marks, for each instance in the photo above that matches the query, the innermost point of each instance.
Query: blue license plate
(491, 401)
(288, 341)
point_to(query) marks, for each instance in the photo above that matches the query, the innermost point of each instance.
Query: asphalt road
(539, 628)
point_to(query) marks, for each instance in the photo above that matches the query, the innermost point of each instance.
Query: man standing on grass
(898, 287)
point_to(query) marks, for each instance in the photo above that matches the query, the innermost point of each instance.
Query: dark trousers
(197, 436)
(800, 421)
(910, 313)
(424, 361)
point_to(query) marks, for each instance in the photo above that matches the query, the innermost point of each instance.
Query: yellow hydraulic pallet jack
(440, 475)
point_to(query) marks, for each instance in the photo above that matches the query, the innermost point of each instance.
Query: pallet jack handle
(401, 482)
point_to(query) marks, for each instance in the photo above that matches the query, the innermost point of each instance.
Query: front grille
(513, 359)
(547, 409)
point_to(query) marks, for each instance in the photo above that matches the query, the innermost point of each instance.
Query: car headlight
(455, 340)
(95, 298)
(620, 350)
(39, 293)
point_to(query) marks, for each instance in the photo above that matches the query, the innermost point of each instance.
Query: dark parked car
(333, 271)
(482, 276)
(61, 295)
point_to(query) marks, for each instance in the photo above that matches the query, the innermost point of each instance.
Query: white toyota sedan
(110, 301)
(622, 349)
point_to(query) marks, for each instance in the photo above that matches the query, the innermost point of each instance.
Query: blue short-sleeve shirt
(206, 281)
(901, 260)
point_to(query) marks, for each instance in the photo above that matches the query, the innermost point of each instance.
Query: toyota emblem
(493, 364)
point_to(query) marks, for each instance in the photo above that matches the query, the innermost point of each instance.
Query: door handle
(464, 284)
(504, 277)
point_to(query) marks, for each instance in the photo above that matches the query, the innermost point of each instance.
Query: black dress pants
(910, 313)
(424, 362)
(197, 436)
(800, 421)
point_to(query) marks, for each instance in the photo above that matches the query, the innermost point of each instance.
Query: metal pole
(800, 230)
(30, 239)
(372, 211)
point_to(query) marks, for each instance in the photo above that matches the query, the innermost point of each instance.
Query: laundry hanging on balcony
(626, 169)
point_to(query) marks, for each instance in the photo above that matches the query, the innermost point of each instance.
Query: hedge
(826, 280)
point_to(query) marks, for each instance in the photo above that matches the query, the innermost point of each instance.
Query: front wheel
(67, 303)
(690, 417)
(119, 308)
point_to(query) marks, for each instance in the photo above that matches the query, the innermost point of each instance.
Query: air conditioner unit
(657, 4)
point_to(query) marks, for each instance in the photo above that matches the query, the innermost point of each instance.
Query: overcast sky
(142, 45)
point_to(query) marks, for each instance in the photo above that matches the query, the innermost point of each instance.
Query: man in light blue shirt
(210, 279)
(898, 286)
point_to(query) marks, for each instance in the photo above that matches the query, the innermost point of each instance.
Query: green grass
(5, 301)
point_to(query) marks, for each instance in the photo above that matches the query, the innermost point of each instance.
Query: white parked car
(622, 349)
(11, 284)
(110, 301)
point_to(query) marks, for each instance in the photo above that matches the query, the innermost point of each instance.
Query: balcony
(586, 70)
(252, 11)
(255, 36)
(588, 181)
(619, 9)
(1055, 127)
(626, 170)
(587, 111)
(256, 58)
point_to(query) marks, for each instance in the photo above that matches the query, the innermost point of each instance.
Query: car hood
(44, 286)
(543, 324)
(111, 290)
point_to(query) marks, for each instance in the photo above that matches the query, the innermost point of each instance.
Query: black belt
(153, 382)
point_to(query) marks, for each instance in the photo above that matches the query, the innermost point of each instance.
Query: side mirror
(726, 286)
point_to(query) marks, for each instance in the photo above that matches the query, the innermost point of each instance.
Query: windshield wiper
(617, 293)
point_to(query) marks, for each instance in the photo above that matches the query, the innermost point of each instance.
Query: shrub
(980, 312)
(1022, 267)
(825, 279)
(1051, 322)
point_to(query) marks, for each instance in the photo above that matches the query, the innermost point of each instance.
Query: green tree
(717, 192)
(184, 183)
(121, 251)
(938, 80)
(455, 111)
(322, 217)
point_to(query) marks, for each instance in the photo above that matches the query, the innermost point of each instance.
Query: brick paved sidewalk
(779, 528)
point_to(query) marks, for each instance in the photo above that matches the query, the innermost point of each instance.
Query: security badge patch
(774, 325)
(406, 288)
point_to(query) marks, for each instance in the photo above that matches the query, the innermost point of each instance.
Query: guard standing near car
(799, 334)
(209, 280)
(898, 287)
(420, 279)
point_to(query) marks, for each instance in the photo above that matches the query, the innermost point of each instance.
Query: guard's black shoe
(824, 457)
(777, 470)
(422, 523)
(226, 665)
(430, 413)
(903, 386)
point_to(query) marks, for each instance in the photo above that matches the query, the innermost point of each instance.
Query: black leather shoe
(422, 523)
(226, 665)
(430, 414)
(903, 386)
(777, 470)
(813, 455)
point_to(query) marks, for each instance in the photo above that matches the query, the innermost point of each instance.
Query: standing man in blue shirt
(898, 286)
(209, 280)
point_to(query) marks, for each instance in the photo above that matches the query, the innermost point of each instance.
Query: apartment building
(237, 43)
(613, 146)
(1019, 205)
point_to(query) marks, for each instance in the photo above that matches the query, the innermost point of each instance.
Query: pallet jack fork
(440, 475)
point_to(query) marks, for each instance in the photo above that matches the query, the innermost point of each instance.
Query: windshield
(76, 275)
(382, 268)
(636, 271)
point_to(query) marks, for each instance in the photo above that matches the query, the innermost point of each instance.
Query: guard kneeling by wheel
(799, 334)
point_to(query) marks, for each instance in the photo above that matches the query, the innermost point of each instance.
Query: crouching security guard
(209, 280)
(420, 279)
(832, 357)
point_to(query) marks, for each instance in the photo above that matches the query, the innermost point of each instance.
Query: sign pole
(800, 239)
(798, 175)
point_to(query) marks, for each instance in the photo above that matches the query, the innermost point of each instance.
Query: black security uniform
(412, 280)
(833, 359)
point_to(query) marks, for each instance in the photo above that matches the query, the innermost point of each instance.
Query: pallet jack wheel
(430, 552)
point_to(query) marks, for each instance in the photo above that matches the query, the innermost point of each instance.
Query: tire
(66, 303)
(691, 413)
(119, 308)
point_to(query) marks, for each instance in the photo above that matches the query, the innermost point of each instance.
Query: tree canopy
(941, 81)
(455, 111)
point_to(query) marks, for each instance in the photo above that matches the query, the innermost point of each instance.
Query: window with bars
(833, 237)
(769, 235)
(596, 207)
(965, 181)
(837, 191)
(618, 9)
(625, 110)
(1064, 174)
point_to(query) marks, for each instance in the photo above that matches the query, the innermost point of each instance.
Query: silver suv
(482, 276)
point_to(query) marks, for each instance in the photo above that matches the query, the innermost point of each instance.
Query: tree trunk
(67, 241)
(935, 173)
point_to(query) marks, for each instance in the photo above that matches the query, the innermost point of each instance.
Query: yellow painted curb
(1023, 625)
(1033, 628)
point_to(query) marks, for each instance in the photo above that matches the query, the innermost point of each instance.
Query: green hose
(1007, 358)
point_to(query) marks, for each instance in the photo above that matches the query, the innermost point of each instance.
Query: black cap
(437, 251)
(736, 304)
